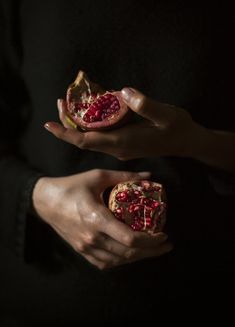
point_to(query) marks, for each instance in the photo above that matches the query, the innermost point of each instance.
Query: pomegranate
(92, 108)
(139, 204)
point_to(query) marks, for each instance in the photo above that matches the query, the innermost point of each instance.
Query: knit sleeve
(17, 178)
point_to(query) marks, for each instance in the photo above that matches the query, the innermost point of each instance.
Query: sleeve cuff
(24, 207)
(17, 181)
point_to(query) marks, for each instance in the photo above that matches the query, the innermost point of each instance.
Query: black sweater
(177, 53)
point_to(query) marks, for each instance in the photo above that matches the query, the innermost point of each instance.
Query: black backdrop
(175, 52)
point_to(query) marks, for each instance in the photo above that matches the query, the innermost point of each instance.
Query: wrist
(42, 197)
(214, 148)
(198, 142)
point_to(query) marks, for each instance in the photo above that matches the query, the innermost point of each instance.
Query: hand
(165, 130)
(74, 207)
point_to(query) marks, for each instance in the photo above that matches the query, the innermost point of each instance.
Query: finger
(114, 247)
(102, 260)
(80, 139)
(97, 263)
(63, 114)
(114, 142)
(97, 141)
(105, 178)
(123, 234)
(141, 254)
(146, 240)
(100, 141)
(155, 252)
(146, 107)
(133, 239)
(62, 109)
(151, 252)
(71, 136)
(115, 229)
(104, 256)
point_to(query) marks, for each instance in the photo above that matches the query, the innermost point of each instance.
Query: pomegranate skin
(92, 108)
(139, 204)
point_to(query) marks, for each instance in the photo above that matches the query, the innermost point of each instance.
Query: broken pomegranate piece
(139, 204)
(92, 108)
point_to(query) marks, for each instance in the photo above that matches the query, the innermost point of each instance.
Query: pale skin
(87, 225)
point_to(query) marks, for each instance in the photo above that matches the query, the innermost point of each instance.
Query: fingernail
(47, 126)
(144, 174)
(127, 93)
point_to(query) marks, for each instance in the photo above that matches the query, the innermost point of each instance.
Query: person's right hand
(74, 207)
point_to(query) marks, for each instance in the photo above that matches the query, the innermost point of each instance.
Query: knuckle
(141, 102)
(129, 240)
(109, 247)
(81, 247)
(60, 135)
(103, 265)
(91, 239)
(122, 154)
(112, 262)
(99, 173)
(118, 141)
(96, 220)
(130, 254)
(116, 262)
(129, 175)
(82, 143)
(93, 215)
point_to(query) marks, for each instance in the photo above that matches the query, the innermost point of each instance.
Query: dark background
(177, 52)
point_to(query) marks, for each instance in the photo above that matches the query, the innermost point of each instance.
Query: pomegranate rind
(70, 122)
(158, 218)
(83, 89)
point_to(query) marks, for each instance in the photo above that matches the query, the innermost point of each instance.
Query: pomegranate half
(92, 108)
(139, 204)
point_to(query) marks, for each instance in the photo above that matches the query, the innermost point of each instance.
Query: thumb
(112, 177)
(146, 107)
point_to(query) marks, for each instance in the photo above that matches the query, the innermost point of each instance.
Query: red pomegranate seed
(148, 221)
(137, 193)
(84, 98)
(101, 108)
(137, 226)
(134, 208)
(155, 204)
(148, 210)
(146, 201)
(122, 197)
(119, 213)
(141, 210)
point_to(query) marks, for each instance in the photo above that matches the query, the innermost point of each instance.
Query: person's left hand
(165, 130)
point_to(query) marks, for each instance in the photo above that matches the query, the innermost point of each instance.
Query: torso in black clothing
(171, 51)
(160, 49)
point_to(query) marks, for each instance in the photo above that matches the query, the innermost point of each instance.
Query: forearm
(214, 148)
